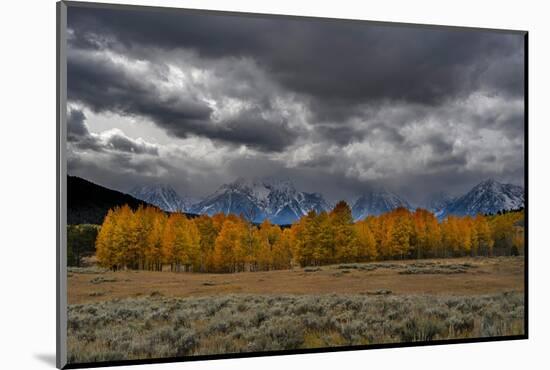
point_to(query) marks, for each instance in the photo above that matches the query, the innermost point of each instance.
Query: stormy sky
(195, 100)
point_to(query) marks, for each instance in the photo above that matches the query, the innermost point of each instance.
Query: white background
(27, 187)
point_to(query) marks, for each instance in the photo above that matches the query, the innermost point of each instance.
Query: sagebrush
(156, 327)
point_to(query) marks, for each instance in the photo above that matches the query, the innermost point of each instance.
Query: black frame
(61, 194)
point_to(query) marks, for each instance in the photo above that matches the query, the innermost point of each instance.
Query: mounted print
(235, 184)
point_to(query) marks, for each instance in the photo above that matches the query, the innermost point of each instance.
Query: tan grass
(487, 276)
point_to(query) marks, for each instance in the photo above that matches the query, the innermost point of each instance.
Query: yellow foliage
(149, 238)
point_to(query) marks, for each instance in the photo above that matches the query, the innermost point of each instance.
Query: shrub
(420, 329)
(162, 326)
(101, 279)
(96, 294)
(312, 269)
(461, 323)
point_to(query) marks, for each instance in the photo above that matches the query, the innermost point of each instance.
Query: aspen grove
(150, 239)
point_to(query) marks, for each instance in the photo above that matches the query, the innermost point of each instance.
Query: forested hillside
(88, 203)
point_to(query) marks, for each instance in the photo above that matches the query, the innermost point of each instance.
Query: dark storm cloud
(79, 135)
(76, 126)
(338, 107)
(253, 130)
(388, 133)
(448, 161)
(510, 123)
(248, 128)
(105, 86)
(340, 62)
(341, 134)
(118, 170)
(124, 144)
(440, 145)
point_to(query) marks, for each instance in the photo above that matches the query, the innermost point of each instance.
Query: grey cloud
(76, 126)
(454, 161)
(439, 145)
(119, 142)
(403, 92)
(388, 133)
(79, 135)
(103, 85)
(248, 128)
(117, 170)
(342, 63)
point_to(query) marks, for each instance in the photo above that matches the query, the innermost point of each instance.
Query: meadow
(152, 314)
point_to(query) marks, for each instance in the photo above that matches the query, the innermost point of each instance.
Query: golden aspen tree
(185, 243)
(467, 235)
(402, 231)
(426, 235)
(123, 237)
(308, 240)
(298, 231)
(139, 227)
(474, 238)
(366, 244)
(208, 234)
(450, 236)
(245, 239)
(192, 249)
(263, 256)
(325, 250)
(153, 251)
(386, 246)
(167, 243)
(484, 237)
(345, 240)
(179, 255)
(282, 251)
(375, 226)
(225, 246)
(105, 252)
(217, 221)
(433, 236)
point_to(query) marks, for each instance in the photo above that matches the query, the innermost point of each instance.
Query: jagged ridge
(259, 199)
(488, 197)
(375, 203)
(162, 196)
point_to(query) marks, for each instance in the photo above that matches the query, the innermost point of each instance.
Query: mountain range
(162, 196)
(260, 199)
(487, 197)
(374, 203)
(279, 201)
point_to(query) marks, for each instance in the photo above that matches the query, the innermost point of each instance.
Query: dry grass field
(137, 315)
(465, 276)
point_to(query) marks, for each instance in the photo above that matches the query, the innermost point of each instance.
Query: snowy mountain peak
(377, 202)
(262, 198)
(438, 202)
(162, 196)
(487, 197)
(488, 182)
(279, 201)
(265, 182)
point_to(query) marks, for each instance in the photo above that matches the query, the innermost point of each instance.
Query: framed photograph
(235, 184)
